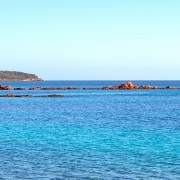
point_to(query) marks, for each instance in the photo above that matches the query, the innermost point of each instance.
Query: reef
(29, 96)
(124, 86)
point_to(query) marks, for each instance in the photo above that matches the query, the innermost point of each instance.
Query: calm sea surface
(131, 134)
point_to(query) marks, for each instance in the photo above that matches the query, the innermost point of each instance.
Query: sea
(90, 134)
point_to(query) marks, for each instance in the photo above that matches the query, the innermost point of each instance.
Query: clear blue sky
(91, 39)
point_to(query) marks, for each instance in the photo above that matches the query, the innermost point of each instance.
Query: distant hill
(18, 76)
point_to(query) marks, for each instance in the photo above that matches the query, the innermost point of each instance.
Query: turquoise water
(91, 134)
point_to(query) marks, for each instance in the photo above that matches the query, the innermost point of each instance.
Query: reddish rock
(9, 95)
(128, 85)
(115, 87)
(145, 87)
(5, 87)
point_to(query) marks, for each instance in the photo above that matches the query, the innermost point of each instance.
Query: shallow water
(91, 134)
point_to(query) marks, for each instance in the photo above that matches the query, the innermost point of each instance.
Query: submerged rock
(59, 88)
(28, 96)
(52, 95)
(34, 88)
(23, 96)
(12, 95)
(19, 89)
(92, 88)
(107, 88)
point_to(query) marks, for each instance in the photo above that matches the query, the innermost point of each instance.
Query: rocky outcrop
(5, 87)
(169, 87)
(18, 76)
(128, 85)
(125, 86)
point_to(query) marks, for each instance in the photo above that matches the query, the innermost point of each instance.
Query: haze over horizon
(91, 40)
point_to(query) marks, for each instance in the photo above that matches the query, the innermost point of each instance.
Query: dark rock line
(29, 96)
(125, 86)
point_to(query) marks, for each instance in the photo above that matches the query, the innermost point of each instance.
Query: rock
(9, 95)
(19, 89)
(52, 96)
(92, 88)
(116, 87)
(12, 95)
(23, 96)
(33, 88)
(128, 85)
(5, 87)
(169, 87)
(154, 87)
(145, 87)
(107, 88)
(69, 88)
(59, 88)
(85, 88)
(28, 96)
(55, 95)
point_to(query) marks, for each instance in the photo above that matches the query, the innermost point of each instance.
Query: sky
(91, 39)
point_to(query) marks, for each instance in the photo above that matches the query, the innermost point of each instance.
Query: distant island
(18, 76)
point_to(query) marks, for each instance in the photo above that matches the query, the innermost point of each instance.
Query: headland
(18, 76)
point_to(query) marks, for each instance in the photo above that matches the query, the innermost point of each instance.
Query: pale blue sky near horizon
(91, 39)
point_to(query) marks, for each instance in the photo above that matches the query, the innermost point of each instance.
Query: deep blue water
(132, 134)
